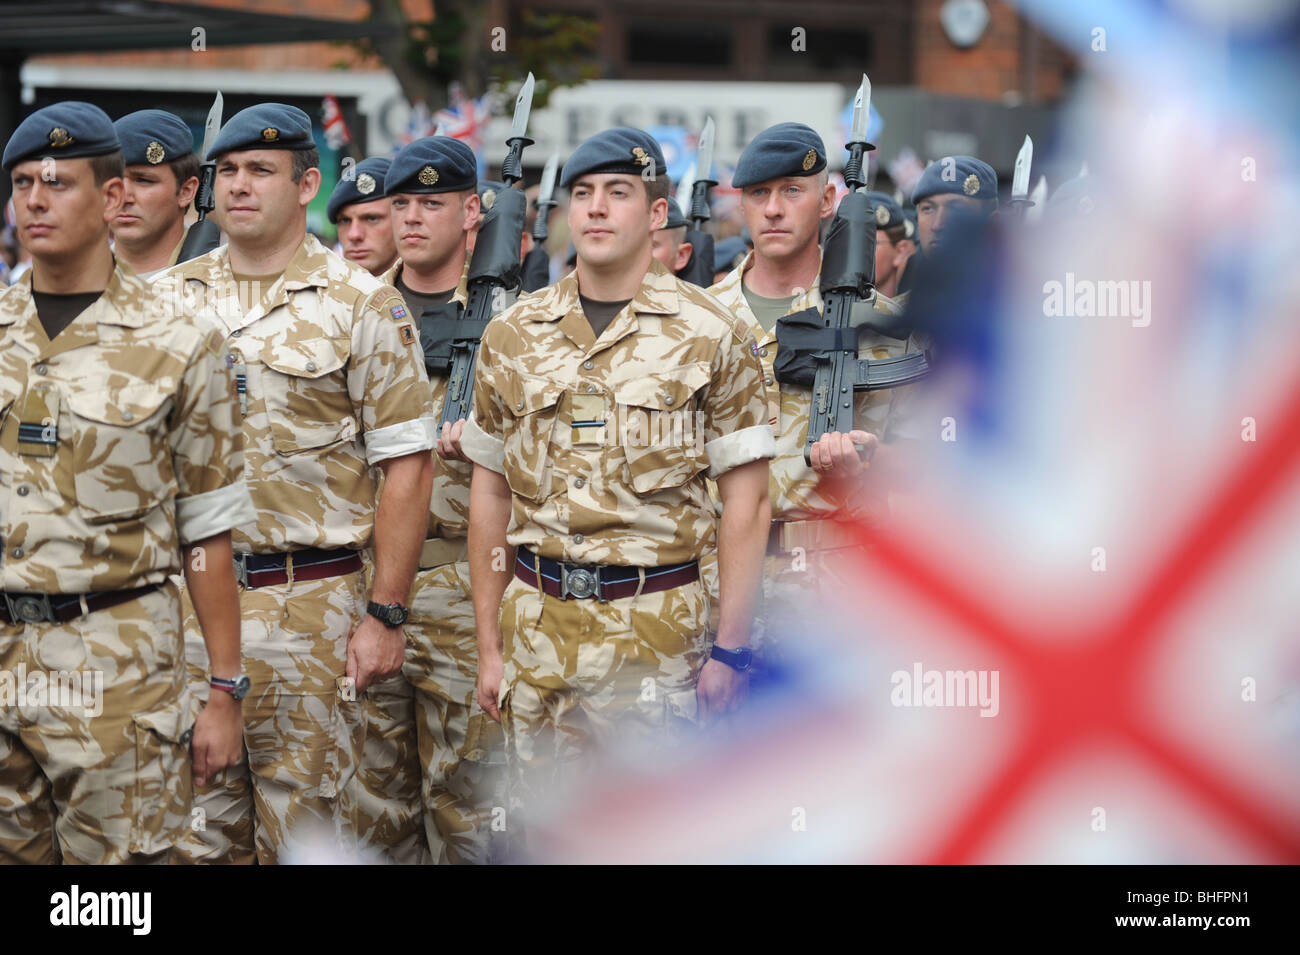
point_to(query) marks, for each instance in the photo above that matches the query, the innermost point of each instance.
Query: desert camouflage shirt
(606, 441)
(793, 489)
(334, 382)
(119, 442)
(449, 505)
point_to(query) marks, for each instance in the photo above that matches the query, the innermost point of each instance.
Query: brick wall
(1012, 57)
(277, 56)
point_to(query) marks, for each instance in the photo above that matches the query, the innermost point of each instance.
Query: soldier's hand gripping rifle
(450, 337)
(699, 270)
(537, 264)
(821, 350)
(204, 235)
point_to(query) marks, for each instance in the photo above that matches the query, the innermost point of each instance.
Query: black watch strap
(739, 660)
(390, 615)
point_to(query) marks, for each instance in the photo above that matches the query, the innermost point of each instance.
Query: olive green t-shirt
(766, 310)
(599, 313)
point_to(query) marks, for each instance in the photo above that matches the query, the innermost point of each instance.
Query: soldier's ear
(828, 201)
(472, 208)
(113, 192)
(683, 256)
(308, 186)
(658, 214)
(187, 192)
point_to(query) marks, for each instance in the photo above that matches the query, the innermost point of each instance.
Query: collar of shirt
(657, 295)
(309, 268)
(731, 293)
(121, 303)
(461, 294)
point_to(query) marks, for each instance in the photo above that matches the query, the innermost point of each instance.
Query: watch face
(242, 685)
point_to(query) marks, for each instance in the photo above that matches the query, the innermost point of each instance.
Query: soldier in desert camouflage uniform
(784, 196)
(381, 801)
(162, 176)
(435, 209)
(118, 445)
(331, 383)
(600, 405)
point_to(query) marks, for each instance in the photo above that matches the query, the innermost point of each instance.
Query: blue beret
(786, 149)
(728, 252)
(264, 126)
(431, 165)
(675, 218)
(153, 136)
(888, 213)
(621, 149)
(363, 182)
(959, 175)
(487, 192)
(65, 131)
(909, 224)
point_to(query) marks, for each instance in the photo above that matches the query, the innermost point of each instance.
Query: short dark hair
(657, 187)
(184, 169)
(303, 159)
(108, 166)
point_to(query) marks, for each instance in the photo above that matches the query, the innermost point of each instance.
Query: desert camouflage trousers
(94, 744)
(433, 761)
(588, 683)
(302, 727)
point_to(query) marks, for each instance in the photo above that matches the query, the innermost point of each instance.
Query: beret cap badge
(365, 184)
(59, 137)
(971, 184)
(640, 156)
(428, 176)
(154, 153)
(882, 216)
(809, 160)
(270, 134)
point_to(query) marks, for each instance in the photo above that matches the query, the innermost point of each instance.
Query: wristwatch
(237, 688)
(739, 660)
(390, 615)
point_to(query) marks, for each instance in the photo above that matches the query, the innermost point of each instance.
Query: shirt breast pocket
(122, 461)
(659, 427)
(305, 389)
(530, 402)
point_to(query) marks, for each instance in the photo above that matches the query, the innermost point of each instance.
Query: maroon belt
(604, 583)
(60, 608)
(312, 563)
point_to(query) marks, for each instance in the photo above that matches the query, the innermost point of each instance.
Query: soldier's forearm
(742, 542)
(400, 524)
(210, 579)
(491, 559)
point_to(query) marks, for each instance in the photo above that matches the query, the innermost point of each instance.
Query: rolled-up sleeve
(736, 429)
(483, 440)
(387, 382)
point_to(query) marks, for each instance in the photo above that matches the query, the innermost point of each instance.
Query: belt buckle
(30, 608)
(579, 582)
(241, 569)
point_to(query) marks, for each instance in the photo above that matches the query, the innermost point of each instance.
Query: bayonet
(204, 236)
(1020, 178)
(212, 126)
(545, 199)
